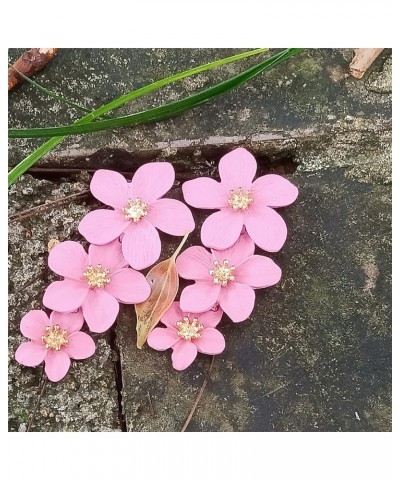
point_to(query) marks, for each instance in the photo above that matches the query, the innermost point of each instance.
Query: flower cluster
(124, 239)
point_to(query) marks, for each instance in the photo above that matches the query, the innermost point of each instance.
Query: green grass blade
(157, 113)
(60, 98)
(37, 154)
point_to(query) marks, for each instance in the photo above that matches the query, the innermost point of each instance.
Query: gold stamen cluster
(135, 209)
(222, 273)
(97, 276)
(240, 199)
(55, 338)
(189, 329)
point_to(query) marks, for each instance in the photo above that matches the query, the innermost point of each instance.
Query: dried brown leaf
(164, 281)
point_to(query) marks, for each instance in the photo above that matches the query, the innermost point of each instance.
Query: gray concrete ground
(316, 353)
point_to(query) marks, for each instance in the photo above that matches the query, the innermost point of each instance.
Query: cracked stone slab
(86, 400)
(315, 354)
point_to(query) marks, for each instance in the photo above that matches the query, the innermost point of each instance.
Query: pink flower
(55, 340)
(138, 211)
(227, 277)
(241, 202)
(187, 334)
(96, 282)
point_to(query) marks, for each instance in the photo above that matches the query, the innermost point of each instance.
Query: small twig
(46, 206)
(200, 394)
(29, 63)
(363, 59)
(43, 380)
(152, 411)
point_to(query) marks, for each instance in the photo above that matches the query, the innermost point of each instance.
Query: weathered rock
(86, 400)
(315, 354)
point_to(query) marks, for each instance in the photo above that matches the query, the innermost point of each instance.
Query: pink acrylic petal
(237, 169)
(71, 322)
(80, 346)
(199, 297)
(171, 216)
(266, 227)
(33, 324)
(237, 301)
(100, 310)
(152, 180)
(57, 365)
(238, 252)
(141, 245)
(110, 188)
(210, 318)
(68, 259)
(183, 355)
(31, 354)
(162, 338)
(211, 342)
(172, 315)
(65, 296)
(221, 229)
(194, 263)
(109, 256)
(274, 191)
(103, 226)
(128, 286)
(258, 272)
(204, 192)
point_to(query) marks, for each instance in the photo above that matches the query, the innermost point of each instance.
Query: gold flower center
(189, 329)
(222, 274)
(240, 199)
(55, 338)
(97, 276)
(135, 209)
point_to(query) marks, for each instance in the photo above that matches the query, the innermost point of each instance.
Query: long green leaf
(158, 113)
(51, 94)
(46, 147)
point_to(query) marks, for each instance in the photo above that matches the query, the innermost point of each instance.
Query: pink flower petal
(194, 263)
(237, 169)
(103, 226)
(71, 322)
(238, 252)
(237, 301)
(172, 315)
(170, 216)
(211, 318)
(100, 310)
(57, 365)
(211, 342)
(128, 286)
(80, 346)
(110, 188)
(33, 324)
(258, 272)
(183, 355)
(31, 354)
(109, 256)
(274, 191)
(141, 245)
(65, 296)
(162, 338)
(199, 297)
(221, 229)
(267, 228)
(68, 259)
(204, 192)
(152, 180)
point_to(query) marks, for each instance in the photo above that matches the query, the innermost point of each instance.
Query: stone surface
(316, 353)
(87, 399)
